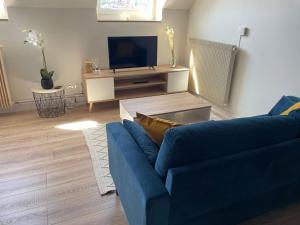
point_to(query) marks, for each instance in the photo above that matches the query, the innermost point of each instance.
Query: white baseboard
(29, 105)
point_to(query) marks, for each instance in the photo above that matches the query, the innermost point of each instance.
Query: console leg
(91, 107)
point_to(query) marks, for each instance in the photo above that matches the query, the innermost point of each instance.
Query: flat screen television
(130, 52)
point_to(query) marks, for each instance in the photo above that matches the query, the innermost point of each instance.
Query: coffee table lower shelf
(180, 107)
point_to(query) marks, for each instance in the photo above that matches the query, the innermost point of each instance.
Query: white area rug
(96, 140)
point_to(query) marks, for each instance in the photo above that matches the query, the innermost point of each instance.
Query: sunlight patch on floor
(82, 125)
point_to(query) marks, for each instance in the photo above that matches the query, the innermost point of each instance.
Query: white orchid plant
(36, 39)
(170, 33)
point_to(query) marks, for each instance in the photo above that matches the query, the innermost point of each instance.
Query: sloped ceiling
(170, 4)
(52, 3)
(179, 4)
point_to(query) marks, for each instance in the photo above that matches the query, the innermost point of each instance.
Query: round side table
(50, 103)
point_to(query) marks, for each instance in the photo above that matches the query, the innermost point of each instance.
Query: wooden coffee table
(180, 107)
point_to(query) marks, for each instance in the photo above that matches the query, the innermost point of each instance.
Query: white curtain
(5, 98)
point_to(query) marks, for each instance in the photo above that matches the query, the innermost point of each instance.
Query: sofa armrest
(142, 192)
(222, 182)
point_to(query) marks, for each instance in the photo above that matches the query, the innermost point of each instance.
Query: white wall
(269, 62)
(72, 36)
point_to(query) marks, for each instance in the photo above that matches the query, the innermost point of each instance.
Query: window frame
(130, 15)
(3, 11)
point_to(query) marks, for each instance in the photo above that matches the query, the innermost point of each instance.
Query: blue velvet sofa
(211, 173)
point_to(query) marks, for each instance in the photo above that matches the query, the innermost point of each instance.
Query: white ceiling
(170, 4)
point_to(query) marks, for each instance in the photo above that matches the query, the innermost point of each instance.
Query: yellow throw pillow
(291, 109)
(155, 127)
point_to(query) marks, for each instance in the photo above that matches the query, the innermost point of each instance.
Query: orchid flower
(36, 39)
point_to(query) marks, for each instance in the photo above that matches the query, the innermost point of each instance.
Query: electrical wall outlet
(72, 89)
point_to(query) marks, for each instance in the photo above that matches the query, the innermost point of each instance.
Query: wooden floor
(46, 174)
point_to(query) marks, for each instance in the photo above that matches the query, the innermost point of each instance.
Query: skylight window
(3, 11)
(130, 10)
(125, 4)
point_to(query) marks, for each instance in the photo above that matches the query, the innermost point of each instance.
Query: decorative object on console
(95, 64)
(170, 32)
(36, 39)
(88, 66)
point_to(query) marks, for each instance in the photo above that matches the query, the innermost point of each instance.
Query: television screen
(128, 52)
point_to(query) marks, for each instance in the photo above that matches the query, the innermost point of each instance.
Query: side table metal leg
(91, 107)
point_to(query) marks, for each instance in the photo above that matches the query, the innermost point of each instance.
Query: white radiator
(211, 66)
(5, 98)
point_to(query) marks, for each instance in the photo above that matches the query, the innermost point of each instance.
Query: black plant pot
(47, 84)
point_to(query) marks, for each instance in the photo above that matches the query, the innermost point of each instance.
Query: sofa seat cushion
(204, 141)
(140, 136)
(283, 104)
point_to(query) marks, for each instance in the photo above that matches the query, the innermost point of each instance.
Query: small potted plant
(36, 39)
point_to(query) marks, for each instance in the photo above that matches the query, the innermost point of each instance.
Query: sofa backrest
(204, 141)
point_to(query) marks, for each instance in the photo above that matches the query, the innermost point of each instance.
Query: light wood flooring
(46, 174)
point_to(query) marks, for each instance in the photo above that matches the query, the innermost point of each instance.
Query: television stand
(141, 82)
(133, 69)
(106, 85)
